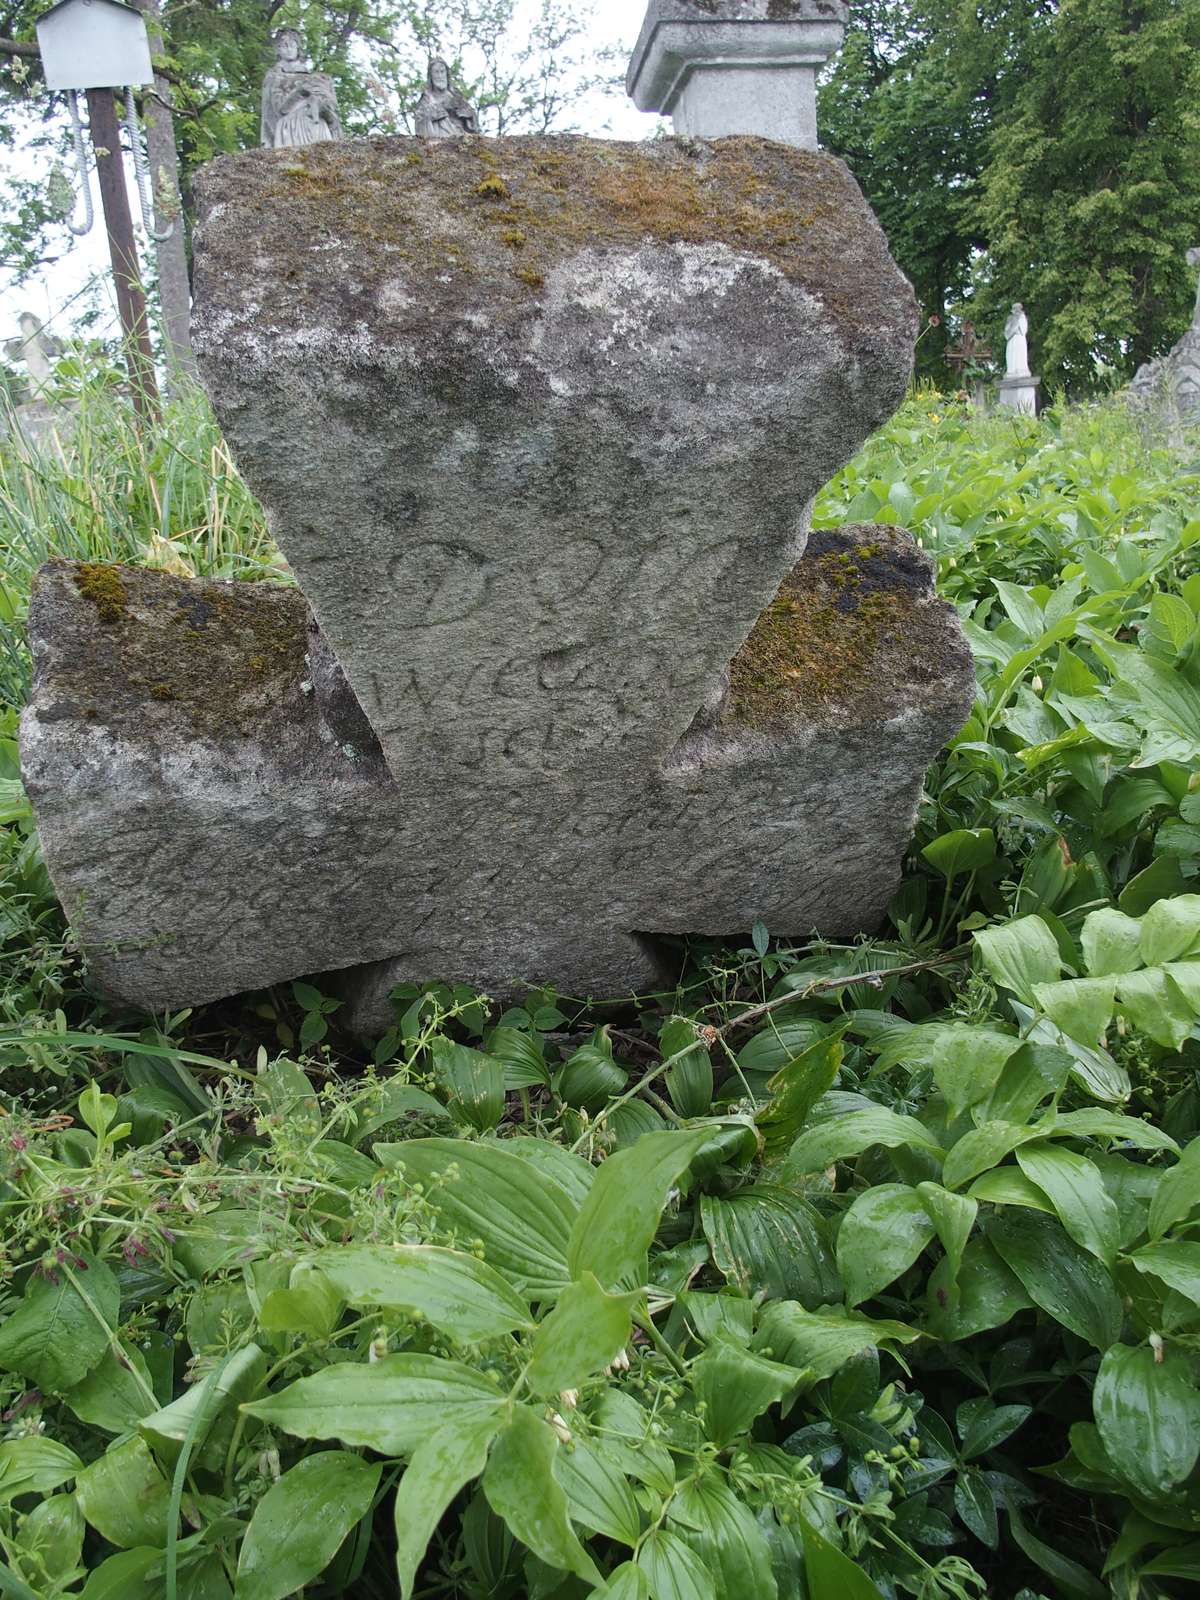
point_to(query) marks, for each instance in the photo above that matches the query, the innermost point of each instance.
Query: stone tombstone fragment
(1169, 386)
(537, 423)
(443, 111)
(720, 67)
(1018, 387)
(299, 106)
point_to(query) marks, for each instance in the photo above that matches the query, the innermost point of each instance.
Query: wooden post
(131, 298)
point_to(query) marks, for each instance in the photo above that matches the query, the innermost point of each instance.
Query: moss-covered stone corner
(103, 586)
(841, 636)
(446, 215)
(229, 659)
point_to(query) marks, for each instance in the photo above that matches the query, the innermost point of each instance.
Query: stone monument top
(721, 67)
(35, 348)
(299, 106)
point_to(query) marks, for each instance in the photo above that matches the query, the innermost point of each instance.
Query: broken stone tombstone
(538, 425)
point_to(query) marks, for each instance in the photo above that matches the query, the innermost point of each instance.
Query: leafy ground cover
(838, 1272)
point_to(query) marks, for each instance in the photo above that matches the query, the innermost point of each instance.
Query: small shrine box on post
(94, 44)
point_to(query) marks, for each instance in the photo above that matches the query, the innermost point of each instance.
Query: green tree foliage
(1046, 151)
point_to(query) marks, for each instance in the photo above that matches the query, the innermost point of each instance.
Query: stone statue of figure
(299, 106)
(35, 348)
(444, 112)
(1016, 331)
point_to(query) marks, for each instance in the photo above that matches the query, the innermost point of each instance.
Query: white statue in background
(36, 349)
(299, 106)
(1016, 331)
(443, 111)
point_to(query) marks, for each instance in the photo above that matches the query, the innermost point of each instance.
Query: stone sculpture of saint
(299, 106)
(444, 112)
(35, 349)
(1016, 331)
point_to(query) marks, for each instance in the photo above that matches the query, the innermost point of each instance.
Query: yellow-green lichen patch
(104, 587)
(841, 635)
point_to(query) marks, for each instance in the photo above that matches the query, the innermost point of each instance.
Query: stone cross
(967, 357)
(35, 348)
(538, 423)
(720, 67)
(1019, 387)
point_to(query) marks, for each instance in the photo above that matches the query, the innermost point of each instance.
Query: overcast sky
(49, 294)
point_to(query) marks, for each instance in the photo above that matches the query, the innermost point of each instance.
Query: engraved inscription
(437, 583)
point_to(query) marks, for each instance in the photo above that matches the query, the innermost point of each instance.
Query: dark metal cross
(969, 352)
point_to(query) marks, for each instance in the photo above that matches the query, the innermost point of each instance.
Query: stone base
(1020, 394)
(217, 816)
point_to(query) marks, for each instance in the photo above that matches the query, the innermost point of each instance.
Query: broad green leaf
(842, 1137)
(1171, 930)
(975, 1503)
(126, 1576)
(591, 1078)
(586, 1332)
(1154, 1003)
(310, 1305)
(1076, 1190)
(953, 1216)
(722, 1530)
(1176, 1262)
(1171, 620)
(452, 1291)
(1092, 1123)
(1163, 877)
(447, 1461)
(967, 1062)
(1148, 1413)
(568, 1172)
(34, 1465)
(795, 1090)
(1008, 1186)
(54, 1530)
(1178, 1192)
(736, 1386)
(124, 1496)
(626, 1583)
(626, 1434)
(830, 1574)
(990, 1427)
(1020, 955)
(1059, 1276)
(780, 1043)
(620, 1216)
(986, 1147)
(1072, 1580)
(1022, 609)
(54, 1338)
(299, 1524)
(388, 1101)
(989, 1295)
(1111, 943)
(881, 1235)
(1091, 1067)
(1184, 1563)
(482, 1191)
(195, 1412)
(521, 1488)
(964, 850)
(474, 1083)
(391, 1407)
(673, 1570)
(523, 1057)
(820, 1342)
(116, 1394)
(690, 1081)
(598, 1494)
(1037, 1072)
(768, 1238)
(1081, 1007)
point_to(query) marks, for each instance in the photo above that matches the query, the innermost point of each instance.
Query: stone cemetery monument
(299, 106)
(538, 423)
(443, 111)
(1018, 387)
(721, 67)
(1171, 384)
(37, 417)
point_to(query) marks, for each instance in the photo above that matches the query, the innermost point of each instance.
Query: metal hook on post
(85, 178)
(142, 173)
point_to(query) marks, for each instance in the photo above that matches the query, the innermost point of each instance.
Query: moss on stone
(103, 586)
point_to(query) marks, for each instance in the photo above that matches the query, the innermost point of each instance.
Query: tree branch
(18, 47)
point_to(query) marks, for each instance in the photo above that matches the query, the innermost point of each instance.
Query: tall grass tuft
(101, 489)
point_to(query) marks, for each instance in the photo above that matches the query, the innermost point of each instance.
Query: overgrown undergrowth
(838, 1272)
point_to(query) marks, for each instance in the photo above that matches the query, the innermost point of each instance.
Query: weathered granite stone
(721, 67)
(1170, 385)
(217, 815)
(537, 421)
